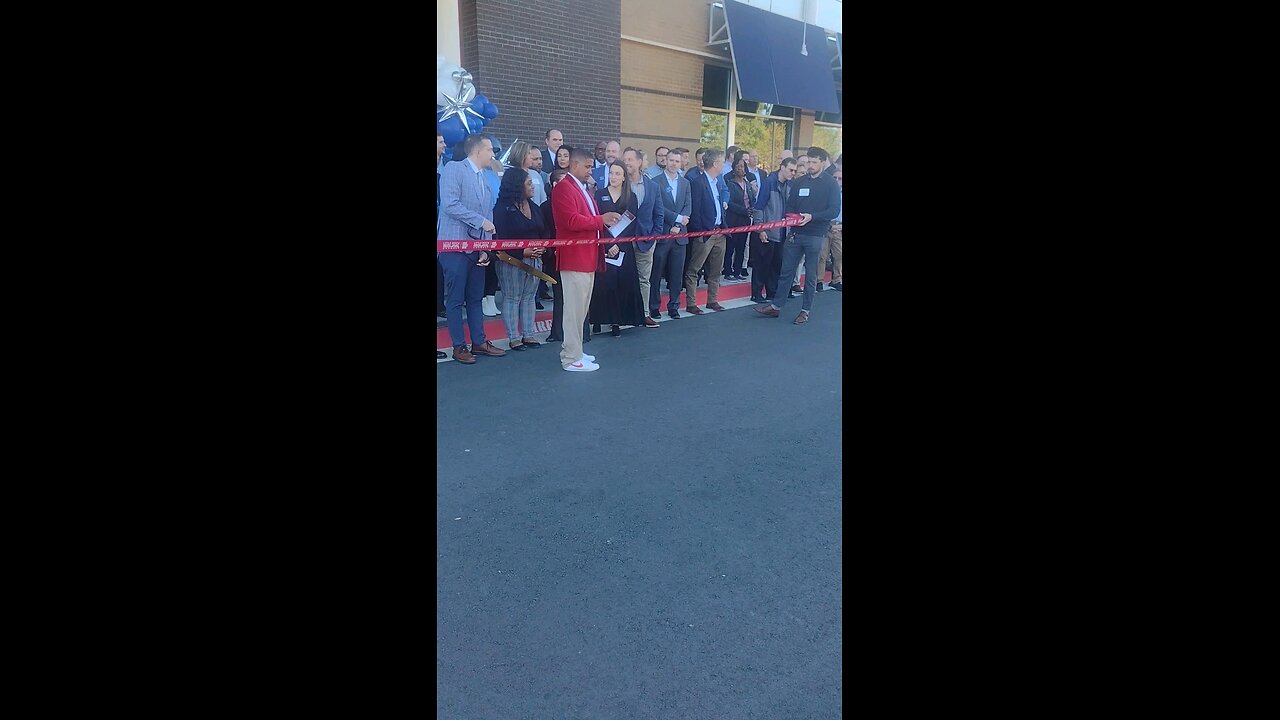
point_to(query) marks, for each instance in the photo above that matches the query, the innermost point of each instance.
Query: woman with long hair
(615, 300)
(523, 155)
(517, 217)
(742, 202)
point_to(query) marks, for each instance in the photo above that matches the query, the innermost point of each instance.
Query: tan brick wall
(682, 23)
(655, 68)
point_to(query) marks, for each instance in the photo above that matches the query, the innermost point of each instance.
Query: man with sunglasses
(466, 211)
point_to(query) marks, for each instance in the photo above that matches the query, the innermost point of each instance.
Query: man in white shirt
(707, 214)
(555, 139)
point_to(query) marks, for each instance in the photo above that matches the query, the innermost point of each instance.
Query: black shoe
(440, 314)
(615, 331)
(538, 304)
(440, 355)
(595, 329)
(655, 314)
(838, 286)
(820, 288)
(756, 299)
(673, 314)
(519, 348)
(796, 289)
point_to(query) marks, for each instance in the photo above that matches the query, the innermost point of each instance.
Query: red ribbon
(465, 245)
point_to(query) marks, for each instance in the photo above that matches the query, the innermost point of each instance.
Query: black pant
(766, 261)
(669, 261)
(735, 253)
(491, 277)
(439, 287)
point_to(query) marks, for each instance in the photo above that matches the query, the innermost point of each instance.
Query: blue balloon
(485, 108)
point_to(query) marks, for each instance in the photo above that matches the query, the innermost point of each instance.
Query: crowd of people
(563, 192)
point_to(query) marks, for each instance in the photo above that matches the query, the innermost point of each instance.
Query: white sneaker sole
(584, 368)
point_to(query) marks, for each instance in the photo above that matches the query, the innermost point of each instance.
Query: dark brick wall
(546, 63)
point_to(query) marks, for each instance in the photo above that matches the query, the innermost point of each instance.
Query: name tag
(604, 197)
(804, 192)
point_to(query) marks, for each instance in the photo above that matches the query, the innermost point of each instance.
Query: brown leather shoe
(802, 318)
(767, 310)
(650, 323)
(715, 306)
(461, 354)
(530, 343)
(694, 310)
(488, 348)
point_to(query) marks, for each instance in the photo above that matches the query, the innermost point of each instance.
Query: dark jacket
(741, 203)
(822, 201)
(703, 214)
(651, 216)
(675, 206)
(771, 202)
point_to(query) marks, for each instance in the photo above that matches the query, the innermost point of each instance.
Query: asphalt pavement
(660, 538)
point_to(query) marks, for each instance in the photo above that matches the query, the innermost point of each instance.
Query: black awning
(768, 63)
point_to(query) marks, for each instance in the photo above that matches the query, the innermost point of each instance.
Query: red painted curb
(494, 329)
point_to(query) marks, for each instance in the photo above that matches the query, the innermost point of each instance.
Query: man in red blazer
(578, 218)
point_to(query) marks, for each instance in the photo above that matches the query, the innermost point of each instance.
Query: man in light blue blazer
(650, 216)
(668, 255)
(466, 213)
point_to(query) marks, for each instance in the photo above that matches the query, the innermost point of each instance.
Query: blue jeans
(463, 285)
(518, 291)
(792, 248)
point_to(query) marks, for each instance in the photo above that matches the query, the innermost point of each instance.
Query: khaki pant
(712, 252)
(577, 298)
(835, 240)
(644, 266)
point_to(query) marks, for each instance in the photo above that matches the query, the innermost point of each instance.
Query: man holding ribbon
(466, 213)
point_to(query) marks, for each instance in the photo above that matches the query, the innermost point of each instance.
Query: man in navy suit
(707, 214)
(668, 255)
(555, 139)
(650, 216)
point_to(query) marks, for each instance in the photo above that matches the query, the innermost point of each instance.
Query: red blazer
(576, 221)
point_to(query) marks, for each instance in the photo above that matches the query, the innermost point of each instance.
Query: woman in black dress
(616, 298)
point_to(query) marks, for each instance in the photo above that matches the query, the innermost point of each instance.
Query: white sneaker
(490, 306)
(583, 366)
(589, 358)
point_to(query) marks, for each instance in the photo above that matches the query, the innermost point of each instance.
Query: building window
(767, 137)
(715, 131)
(829, 138)
(715, 86)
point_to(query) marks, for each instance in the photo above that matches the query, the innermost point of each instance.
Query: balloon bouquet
(459, 111)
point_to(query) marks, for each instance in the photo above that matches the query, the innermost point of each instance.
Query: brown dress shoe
(650, 322)
(461, 354)
(715, 306)
(530, 343)
(802, 318)
(767, 310)
(488, 348)
(694, 310)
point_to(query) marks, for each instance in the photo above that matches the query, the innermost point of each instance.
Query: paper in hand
(616, 262)
(627, 217)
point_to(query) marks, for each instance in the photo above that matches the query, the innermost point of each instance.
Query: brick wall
(550, 63)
